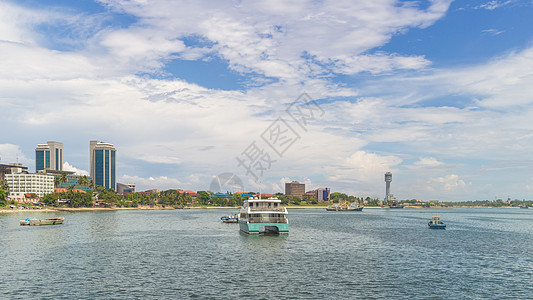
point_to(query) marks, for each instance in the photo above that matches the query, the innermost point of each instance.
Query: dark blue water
(377, 253)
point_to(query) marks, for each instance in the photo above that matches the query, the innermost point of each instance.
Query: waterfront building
(193, 194)
(245, 195)
(222, 196)
(148, 192)
(72, 180)
(125, 188)
(321, 194)
(49, 156)
(295, 189)
(13, 168)
(103, 164)
(21, 184)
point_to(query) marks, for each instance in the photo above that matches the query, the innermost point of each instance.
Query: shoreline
(87, 209)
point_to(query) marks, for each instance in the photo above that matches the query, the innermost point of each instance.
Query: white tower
(388, 179)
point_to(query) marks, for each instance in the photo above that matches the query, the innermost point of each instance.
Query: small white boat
(230, 219)
(41, 222)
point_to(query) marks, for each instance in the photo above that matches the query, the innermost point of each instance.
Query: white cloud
(10, 153)
(426, 162)
(272, 40)
(493, 4)
(68, 167)
(493, 31)
(365, 167)
(448, 183)
(160, 182)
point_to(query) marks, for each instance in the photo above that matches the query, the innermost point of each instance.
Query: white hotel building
(21, 184)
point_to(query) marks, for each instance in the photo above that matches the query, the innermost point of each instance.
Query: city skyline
(436, 92)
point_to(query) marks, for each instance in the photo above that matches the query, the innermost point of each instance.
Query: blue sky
(437, 92)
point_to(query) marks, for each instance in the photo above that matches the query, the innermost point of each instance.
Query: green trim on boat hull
(253, 228)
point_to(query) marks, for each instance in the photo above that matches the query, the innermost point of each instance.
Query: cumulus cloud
(365, 167)
(283, 40)
(448, 183)
(10, 153)
(159, 182)
(69, 167)
(426, 162)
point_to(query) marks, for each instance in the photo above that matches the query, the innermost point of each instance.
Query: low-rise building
(193, 194)
(125, 188)
(72, 180)
(13, 168)
(148, 192)
(321, 194)
(22, 184)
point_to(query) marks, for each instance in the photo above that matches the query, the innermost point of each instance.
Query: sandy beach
(80, 209)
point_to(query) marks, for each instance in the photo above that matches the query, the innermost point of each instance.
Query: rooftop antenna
(260, 185)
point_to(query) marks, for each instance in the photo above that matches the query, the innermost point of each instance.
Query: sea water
(172, 254)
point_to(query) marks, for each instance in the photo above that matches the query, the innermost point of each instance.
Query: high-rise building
(103, 164)
(295, 189)
(388, 179)
(49, 156)
(323, 194)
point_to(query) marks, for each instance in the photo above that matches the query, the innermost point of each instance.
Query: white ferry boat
(263, 216)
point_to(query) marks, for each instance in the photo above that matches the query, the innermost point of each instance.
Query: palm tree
(63, 178)
(83, 180)
(56, 181)
(4, 186)
(91, 183)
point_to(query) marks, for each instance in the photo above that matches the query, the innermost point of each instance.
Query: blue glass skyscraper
(103, 164)
(49, 156)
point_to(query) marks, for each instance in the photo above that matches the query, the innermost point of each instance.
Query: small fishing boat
(436, 223)
(230, 219)
(333, 207)
(395, 205)
(345, 206)
(41, 222)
